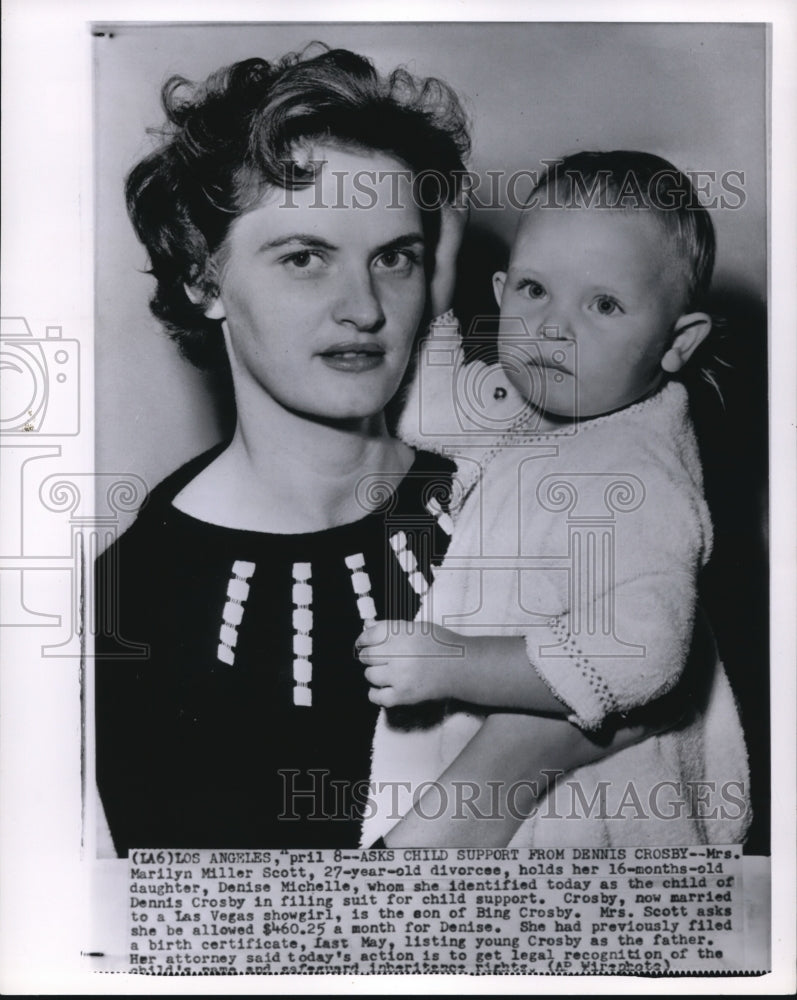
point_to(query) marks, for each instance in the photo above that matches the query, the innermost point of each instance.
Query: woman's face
(322, 289)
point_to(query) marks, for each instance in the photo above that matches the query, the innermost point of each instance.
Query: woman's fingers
(384, 697)
(629, 736)
(378, 675)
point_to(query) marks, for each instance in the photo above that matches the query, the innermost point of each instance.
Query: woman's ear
(213, 308)
(690, 331)
(499, 280)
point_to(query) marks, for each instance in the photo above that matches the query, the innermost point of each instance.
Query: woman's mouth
(353, 357)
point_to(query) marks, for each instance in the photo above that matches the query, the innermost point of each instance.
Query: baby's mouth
(549, 366)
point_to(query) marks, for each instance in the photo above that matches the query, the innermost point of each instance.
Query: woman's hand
(454, 219)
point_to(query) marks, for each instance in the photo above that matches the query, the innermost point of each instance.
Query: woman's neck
(301, 475)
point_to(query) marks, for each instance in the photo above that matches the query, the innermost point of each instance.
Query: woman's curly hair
(228, 138)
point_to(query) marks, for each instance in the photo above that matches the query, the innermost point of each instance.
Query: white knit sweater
(587, 543)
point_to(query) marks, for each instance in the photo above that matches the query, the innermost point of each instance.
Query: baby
(579, 527)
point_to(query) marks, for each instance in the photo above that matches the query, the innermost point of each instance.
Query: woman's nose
(358, 304)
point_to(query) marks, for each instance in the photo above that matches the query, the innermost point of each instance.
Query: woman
(291, 239)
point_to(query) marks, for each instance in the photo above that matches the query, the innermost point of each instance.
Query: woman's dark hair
(228, 138)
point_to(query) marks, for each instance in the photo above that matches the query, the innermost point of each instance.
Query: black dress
(246, 723)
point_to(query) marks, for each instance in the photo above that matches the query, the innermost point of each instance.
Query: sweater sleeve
(622, 636)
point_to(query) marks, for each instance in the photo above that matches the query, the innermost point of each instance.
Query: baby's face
(610, 282)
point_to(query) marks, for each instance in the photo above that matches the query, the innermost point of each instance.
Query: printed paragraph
(577, 911)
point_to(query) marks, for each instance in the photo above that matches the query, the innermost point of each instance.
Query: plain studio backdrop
(693, 93)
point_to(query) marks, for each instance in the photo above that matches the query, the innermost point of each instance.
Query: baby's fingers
(374, 635)
(372, 656)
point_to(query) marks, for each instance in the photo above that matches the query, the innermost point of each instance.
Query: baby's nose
(559, 328)
(550, 331)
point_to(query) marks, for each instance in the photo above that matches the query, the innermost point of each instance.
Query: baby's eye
(606, 305)
(533, 289)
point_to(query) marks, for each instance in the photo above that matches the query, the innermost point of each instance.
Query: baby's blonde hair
(629, 180)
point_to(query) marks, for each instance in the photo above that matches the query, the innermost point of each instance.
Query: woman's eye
(396, 260)
(303, 260)
(533, 289)
(606, 305)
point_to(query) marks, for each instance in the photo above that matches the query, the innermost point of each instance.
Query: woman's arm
(507, 768)
(471, 806)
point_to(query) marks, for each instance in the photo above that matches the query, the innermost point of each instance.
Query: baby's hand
(453, 219)
(407, 663)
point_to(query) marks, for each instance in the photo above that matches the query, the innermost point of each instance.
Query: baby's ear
(213, 308)
(689, 332)
(499, 280)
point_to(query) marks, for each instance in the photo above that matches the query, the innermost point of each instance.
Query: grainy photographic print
(397, 506)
